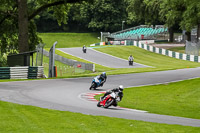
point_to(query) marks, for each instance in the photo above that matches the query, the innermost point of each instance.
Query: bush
(3, 61)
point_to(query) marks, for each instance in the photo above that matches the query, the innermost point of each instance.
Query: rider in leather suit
(119, 90)
(103, 78)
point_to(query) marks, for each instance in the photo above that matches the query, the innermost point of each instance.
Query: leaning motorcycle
(109, 100)
(95, 83)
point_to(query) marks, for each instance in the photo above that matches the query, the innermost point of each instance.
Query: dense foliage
(18, 32)
(172, 13)
(3, 61)
(104, 15)
(88, 15)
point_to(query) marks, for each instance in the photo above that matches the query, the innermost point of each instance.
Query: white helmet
(121, 87)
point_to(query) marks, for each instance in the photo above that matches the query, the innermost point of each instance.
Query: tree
(151, 12)
(144, 11)
(8, 26)
(23, 25)
(191, 16)
(103, 15)
(171, 13)
(79, 16)
(17, 18)
(136, 11)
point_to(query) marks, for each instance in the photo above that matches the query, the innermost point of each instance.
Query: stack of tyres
(4, 72)
(32, 72)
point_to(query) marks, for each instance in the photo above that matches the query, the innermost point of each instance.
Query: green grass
(20, 118)
(177, 99)
(157, 61)
(98, 68)
(178, 49)
(71, 72)
(66, 40)
(63, 70)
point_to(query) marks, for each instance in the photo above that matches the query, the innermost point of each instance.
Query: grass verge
(66, 40)
(177, 99)
(20, 118)
(63, 70)
(157, 61)
(98, 68)
(178, 49)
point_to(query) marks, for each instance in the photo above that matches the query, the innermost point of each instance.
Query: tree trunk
(23, 26)
(188, 34)
(171, 35)
(198, 32)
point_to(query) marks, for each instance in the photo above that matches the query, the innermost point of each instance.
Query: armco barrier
(4, 72)
(88, 66)
(167, 52)
(21, 72)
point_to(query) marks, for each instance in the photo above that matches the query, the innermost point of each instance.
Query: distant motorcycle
(95, 83)
(84, 50)
(109, 100)
(130, 63)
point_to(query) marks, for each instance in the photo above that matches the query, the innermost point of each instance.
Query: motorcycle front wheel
(93, 86)
(98, 104)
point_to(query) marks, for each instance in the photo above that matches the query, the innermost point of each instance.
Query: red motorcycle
(109, 100)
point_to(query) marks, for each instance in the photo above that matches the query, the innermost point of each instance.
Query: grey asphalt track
(65, 94)
(100, 58)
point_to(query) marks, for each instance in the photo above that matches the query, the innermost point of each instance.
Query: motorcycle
(95, 83)
(109, 100)
(130, 63)
(84, 50)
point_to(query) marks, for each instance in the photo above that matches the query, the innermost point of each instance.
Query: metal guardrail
(192, 48)
(85, 66)
(166, 52)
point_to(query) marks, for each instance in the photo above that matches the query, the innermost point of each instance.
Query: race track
(66, 94)
(100, 58)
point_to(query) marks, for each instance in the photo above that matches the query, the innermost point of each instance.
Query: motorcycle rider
(103, 78)
(130, 59)
(119, 90)
(84, 49)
